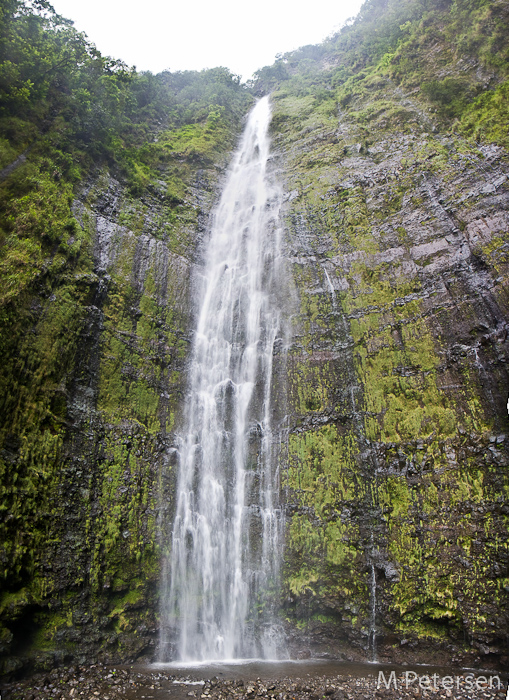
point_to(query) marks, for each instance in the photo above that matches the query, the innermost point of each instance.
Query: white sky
(193, 34)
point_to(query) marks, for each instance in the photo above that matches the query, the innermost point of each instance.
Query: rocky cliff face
(396, 483)
(87, 507)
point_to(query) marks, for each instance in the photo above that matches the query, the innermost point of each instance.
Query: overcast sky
(193, 34)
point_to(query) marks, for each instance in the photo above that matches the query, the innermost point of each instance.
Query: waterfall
(220, 585)
(372, 597)
(372, 622)
(331, 286)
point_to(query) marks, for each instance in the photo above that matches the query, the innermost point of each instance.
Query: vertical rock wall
(397, 478)
(106, 345)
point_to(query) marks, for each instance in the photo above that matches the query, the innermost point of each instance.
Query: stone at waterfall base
(134, 683)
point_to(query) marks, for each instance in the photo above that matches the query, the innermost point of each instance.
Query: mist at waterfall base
(220, 584)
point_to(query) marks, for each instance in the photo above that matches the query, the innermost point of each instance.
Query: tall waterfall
(220, 585)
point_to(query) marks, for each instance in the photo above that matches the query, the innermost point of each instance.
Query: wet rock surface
(108, 683)
(397, 378)
(117, 405)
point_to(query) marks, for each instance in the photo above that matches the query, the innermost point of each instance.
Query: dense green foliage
(453, 57)
(58, 93)
(72, 109)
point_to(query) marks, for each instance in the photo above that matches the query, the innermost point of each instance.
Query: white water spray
(331, 286)
(220, 586)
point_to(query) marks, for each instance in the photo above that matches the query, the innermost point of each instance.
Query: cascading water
(220, 585)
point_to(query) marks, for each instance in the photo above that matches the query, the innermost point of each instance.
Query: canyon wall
(390, 142)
